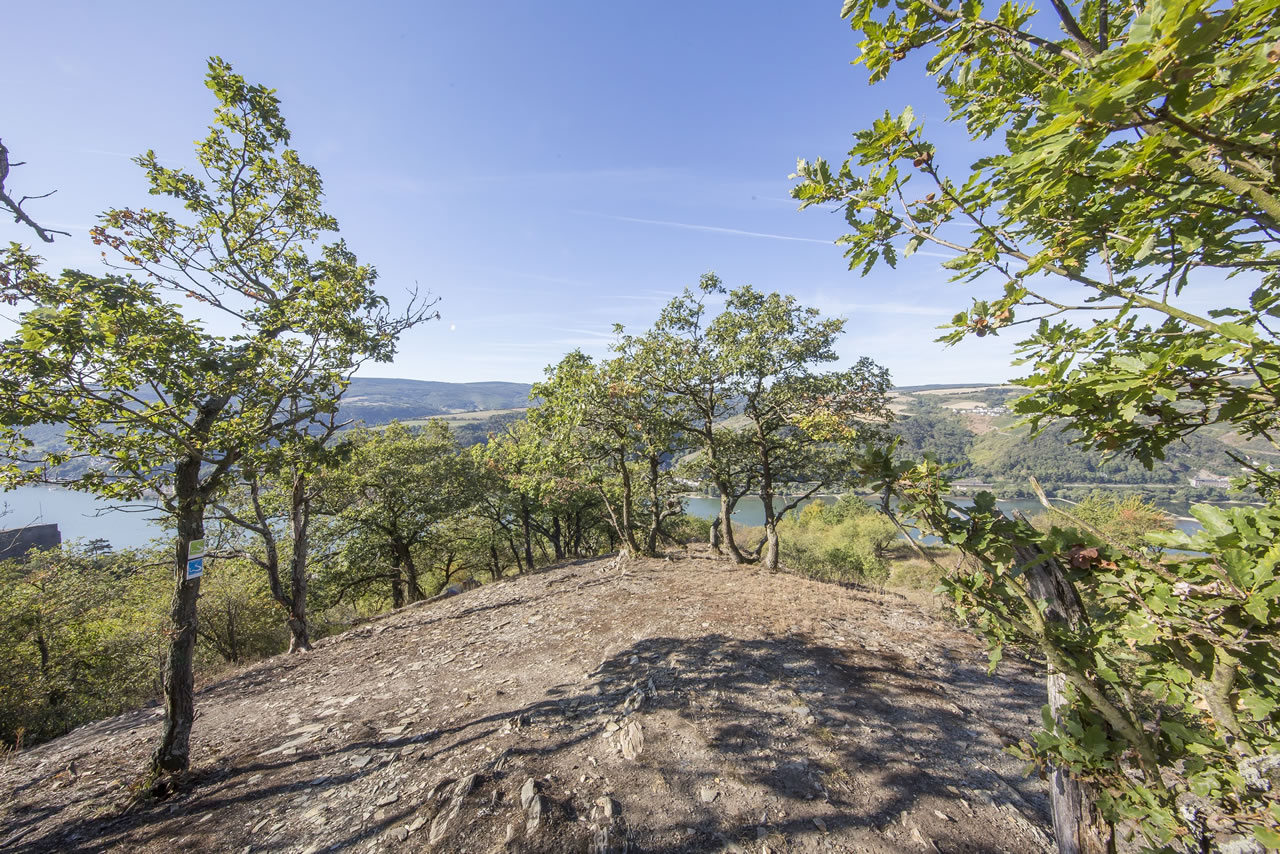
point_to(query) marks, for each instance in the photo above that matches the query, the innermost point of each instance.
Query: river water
(81, 516)
(750, 511)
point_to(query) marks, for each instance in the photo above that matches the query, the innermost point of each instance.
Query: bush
(845, 541)
(1122, 519)
(689, 529)
(82, 637)
(916, 573)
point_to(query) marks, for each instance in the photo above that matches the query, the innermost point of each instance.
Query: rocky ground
(680, 705)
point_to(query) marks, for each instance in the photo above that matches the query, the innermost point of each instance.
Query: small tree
(680, 362)
(742, 385)
(163, 400)
(530, 488)
(615, 427)
(768, 345)
(278, 502)
(394, 497)
(1133, 154)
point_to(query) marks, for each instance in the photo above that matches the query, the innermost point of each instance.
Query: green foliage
(939, 433)
(689, 529)
(1175, 678)
(140, 380)
(239, 619)
(394, 498)
(1133, 159)
(845, 541)
(791, 427)
(1139, 155)
(82, 637)
(613, 427)
(148, 389)
(1107, 518)
(1054, 455)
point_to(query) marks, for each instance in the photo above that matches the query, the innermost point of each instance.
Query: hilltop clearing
(680, 705)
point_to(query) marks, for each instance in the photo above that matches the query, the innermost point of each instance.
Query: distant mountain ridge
(377, 400)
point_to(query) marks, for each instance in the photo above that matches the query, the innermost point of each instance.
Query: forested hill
(376, 400)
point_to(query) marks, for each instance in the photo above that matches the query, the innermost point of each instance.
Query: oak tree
(223, 328)
(1130, 169)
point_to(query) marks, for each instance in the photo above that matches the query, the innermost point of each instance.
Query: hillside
(369, 400)
(679, 706)
(376, 400)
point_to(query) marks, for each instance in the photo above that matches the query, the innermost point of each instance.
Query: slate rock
(631, 740)
(533, 815)
(527, 793)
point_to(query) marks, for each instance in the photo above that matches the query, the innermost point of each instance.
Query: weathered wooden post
(1078, 825)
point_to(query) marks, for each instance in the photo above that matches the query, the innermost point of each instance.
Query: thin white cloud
(605, 335)
(848, 308)
(712, 228)
(899, 308)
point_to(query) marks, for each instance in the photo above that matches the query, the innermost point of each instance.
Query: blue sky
(547, 169)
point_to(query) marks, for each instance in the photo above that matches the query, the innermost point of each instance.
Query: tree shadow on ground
(797, 721)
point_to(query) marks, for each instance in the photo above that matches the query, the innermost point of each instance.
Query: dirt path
(669, 706)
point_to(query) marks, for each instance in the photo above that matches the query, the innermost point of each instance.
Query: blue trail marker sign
(195, 559)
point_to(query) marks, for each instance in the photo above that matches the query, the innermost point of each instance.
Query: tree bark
(726, 526)
(526, 530)
(299, 637)
(655, 524)
(766, 500)
(174, 753)
(408, 570)
(397, 581)
(627, 532)
(1078, 824)
(557, 538)
(770, 559)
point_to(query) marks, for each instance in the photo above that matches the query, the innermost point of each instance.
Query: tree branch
(15, 207)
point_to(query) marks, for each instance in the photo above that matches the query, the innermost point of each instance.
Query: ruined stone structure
(16, 542)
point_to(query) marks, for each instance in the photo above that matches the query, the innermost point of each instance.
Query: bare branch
(15, 207)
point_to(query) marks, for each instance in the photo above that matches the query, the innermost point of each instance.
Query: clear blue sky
(546, 168)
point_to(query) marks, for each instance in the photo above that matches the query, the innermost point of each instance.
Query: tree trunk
(515, 553)
(1078, 824)
(408, 571)
(233, 644)
(770, 559)
(174, 753)
(575, 538)
(557, 538)
(726, 527)
(770, 514)
(627, 525)
(299, 637)
(526, 530)
(397, 581)
(655, 523)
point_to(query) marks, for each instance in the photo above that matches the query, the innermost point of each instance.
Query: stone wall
(16, 542)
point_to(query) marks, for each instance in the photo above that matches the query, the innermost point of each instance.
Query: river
(750, 511)
(81, 516)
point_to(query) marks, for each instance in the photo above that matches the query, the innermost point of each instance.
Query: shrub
(845, 541)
